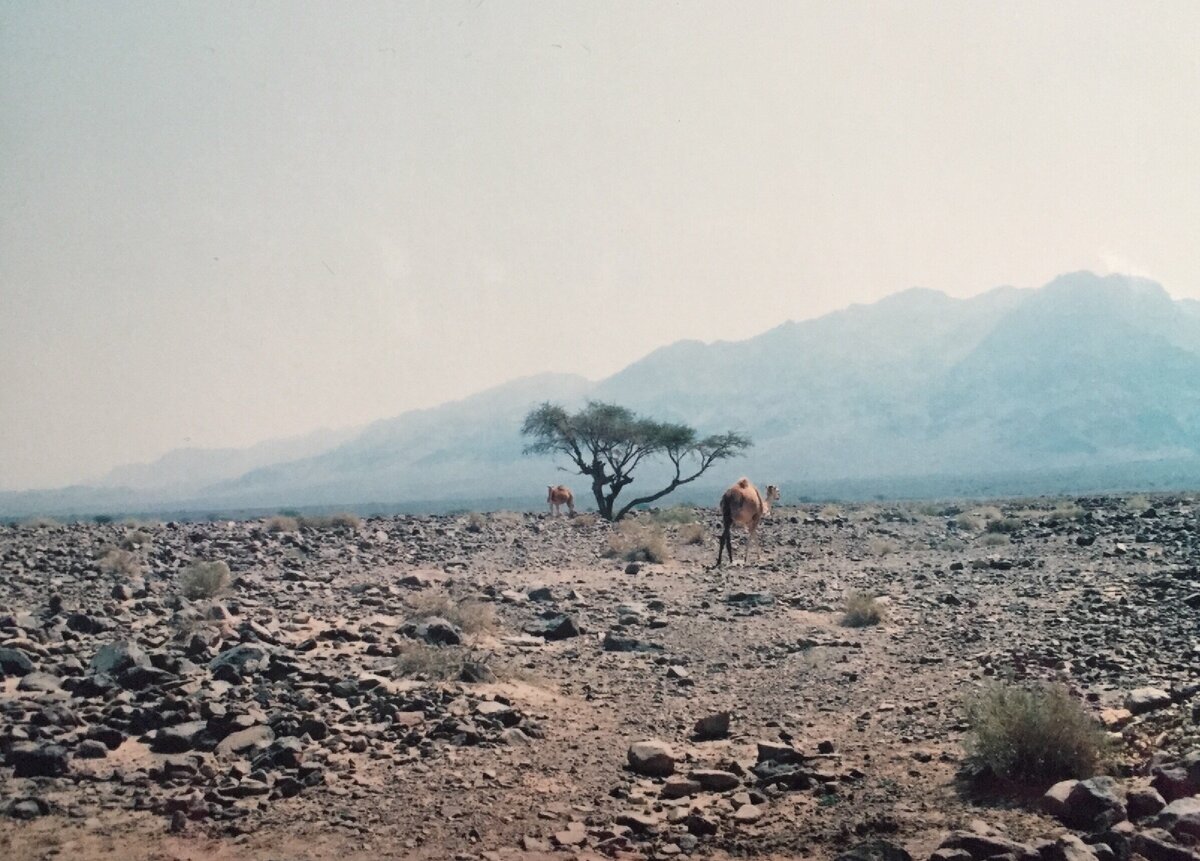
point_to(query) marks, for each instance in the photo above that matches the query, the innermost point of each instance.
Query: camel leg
(749, 544)
(721, 542)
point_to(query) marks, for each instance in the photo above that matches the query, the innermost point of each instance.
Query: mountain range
(1087, 383)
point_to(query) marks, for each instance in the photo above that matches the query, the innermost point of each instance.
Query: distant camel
(558, 496)
(744, 505)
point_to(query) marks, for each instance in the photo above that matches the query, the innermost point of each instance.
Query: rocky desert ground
(512, 686)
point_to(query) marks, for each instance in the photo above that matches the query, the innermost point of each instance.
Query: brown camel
(558, 496)
(744, 505)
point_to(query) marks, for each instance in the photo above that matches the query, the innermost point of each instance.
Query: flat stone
(712, 780)
(1142, 700)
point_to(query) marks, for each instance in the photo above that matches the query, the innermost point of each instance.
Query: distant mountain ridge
(1087, 380)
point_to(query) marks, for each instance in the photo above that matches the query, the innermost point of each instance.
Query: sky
(223, 222)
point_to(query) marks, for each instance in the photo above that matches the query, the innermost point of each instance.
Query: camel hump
(743, 483)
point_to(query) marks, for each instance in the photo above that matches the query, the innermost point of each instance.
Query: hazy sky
(223, 222)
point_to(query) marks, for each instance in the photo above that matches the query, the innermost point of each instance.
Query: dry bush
(692, 533)
(882, 547)
(40, 523)
(472, 617)
(474, 522)
(584, 521)
(1038, 734)
(135, 538)
(508, 518)
(830, 512)
(635, 542)
(862, 610)
(950, 544)
(979, 519)
(120, 562)
(430, 663)
(996, 539)
(282, 523)
(1005, 525)
(341, 520)
(1065, 512)
(1138, 503)
(929, 509)
(204, 580)
(676, 514)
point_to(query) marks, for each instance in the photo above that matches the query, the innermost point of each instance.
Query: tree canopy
(607, 442)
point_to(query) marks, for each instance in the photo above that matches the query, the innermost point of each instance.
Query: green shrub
(204, 580)
(862, 610)
(1038, 734)
(676, 514)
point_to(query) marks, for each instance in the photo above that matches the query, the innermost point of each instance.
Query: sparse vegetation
(1037, 734)
(830, 512)
(430, 663)
(1005, 525)
(282, 523)
(340, 520)
(204, 580)
(115, 561)
(584, 521)
(1138, 503)
(862, 610)
(471, 616)
(675, 515)
(135, 538)
(40, 523)
(996, 539)
(474, 522)
(692, 533)
(877, 546)
(637, 542)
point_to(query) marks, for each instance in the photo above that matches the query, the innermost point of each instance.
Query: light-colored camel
(743, 505)
(559, 496)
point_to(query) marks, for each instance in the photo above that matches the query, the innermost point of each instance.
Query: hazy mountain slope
(1087, 380)
(469, 448)
(186, 470)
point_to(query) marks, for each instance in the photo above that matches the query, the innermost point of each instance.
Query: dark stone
(85, 624)
(179, 738)
(875, 850)
(29, 759)
(559, 627)
(14, 662)
(435, 630)
(617, 643)
(243, 660)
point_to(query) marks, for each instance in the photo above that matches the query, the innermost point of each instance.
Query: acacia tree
(607, 443)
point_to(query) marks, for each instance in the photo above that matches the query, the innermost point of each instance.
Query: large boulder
(244, 660)
(653, 758)
(1092, 804)
(117, 657)
(1181, 817)
(14, 662)
(29, 759)
(435, 631)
